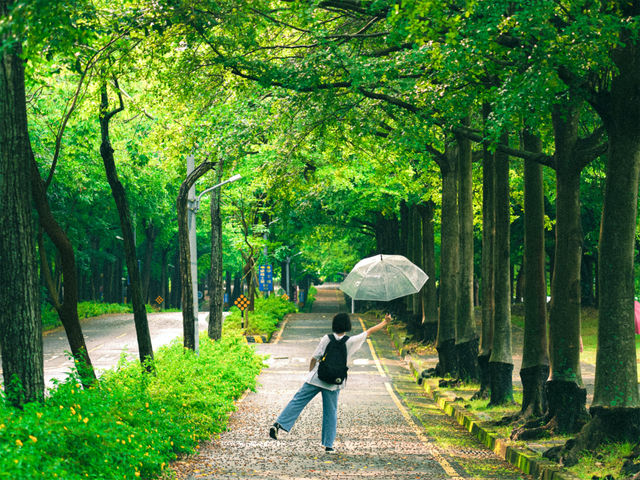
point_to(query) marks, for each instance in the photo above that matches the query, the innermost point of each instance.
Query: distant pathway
(387, 428)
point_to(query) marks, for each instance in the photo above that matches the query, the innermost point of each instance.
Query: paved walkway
(387, 428)
(107, 338)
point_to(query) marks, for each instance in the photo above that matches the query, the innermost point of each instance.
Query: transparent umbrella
(383, 278)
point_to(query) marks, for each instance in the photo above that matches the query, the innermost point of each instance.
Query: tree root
(450, 383)
(607, 424)
(535, 429)
(482, 394)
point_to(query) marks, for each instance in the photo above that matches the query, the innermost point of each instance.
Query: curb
(258, 338)
(527, 462)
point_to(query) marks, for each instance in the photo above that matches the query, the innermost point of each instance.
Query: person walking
(341, 324)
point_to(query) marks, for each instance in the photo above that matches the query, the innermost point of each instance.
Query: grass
(607, 460)
(130, 424)
(589, 333)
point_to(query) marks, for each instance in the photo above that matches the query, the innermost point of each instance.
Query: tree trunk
(164, 277)
(188, 315)
(68, 309)
(488, 262)
(387, 235)
(535, 358)
(227, 288)
(429, 298)
(616, 402)
(448, 267)
(587, 281)
(403, 246)
(501, 361)
(119, 195)
(20, 322)
(176, 288)
(564, 314)
(216, 283)
(466, 337)
(616, 385)
(237, 284)
(150, 233)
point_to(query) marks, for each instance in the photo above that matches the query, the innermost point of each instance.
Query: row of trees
(552, 83)
(363, 126)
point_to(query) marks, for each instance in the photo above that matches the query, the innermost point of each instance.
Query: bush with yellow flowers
(131, 423)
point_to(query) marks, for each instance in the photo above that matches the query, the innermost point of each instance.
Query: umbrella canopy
(383, 278)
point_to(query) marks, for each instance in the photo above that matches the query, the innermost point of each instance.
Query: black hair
(341, 323)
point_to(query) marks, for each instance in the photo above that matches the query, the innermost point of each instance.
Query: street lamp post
(194, 205)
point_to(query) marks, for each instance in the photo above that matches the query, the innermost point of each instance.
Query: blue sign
(265, 278)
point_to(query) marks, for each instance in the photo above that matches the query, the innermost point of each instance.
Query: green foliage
(263, 320)
(131, 424)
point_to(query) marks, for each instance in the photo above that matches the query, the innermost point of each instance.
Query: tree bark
(535, 358)
(501, 361)
(216, 283)
(449, 265)
(488, 262)
(567, 415)
(68, 309)
(20, 321)
(466, 337)
(145, 347)
(429, 297)
(616, 375)
(616, 402)
(616, 384)
(387, 235)
(150, 233)
(188, 315)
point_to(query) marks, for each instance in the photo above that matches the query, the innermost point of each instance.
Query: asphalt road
(107, 338)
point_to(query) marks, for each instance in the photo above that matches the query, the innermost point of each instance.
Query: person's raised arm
(381, 325)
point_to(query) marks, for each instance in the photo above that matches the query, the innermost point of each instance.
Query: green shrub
(263, 320)
(131, 424)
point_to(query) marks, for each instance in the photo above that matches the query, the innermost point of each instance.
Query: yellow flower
(73, 410)
(86, 420)
(1, 426)
(146, 404)
(39, 414)
(33, 439)
(137, 474)
(19, 442)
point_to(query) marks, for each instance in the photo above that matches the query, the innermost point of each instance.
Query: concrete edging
(258, 338)
(527, 462)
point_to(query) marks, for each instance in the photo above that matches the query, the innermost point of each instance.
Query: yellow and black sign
(284, 296)
(242, 302)
(159, 300)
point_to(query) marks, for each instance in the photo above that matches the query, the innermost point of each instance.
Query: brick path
(387, 428)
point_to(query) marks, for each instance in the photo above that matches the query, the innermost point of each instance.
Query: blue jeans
(329, 411)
